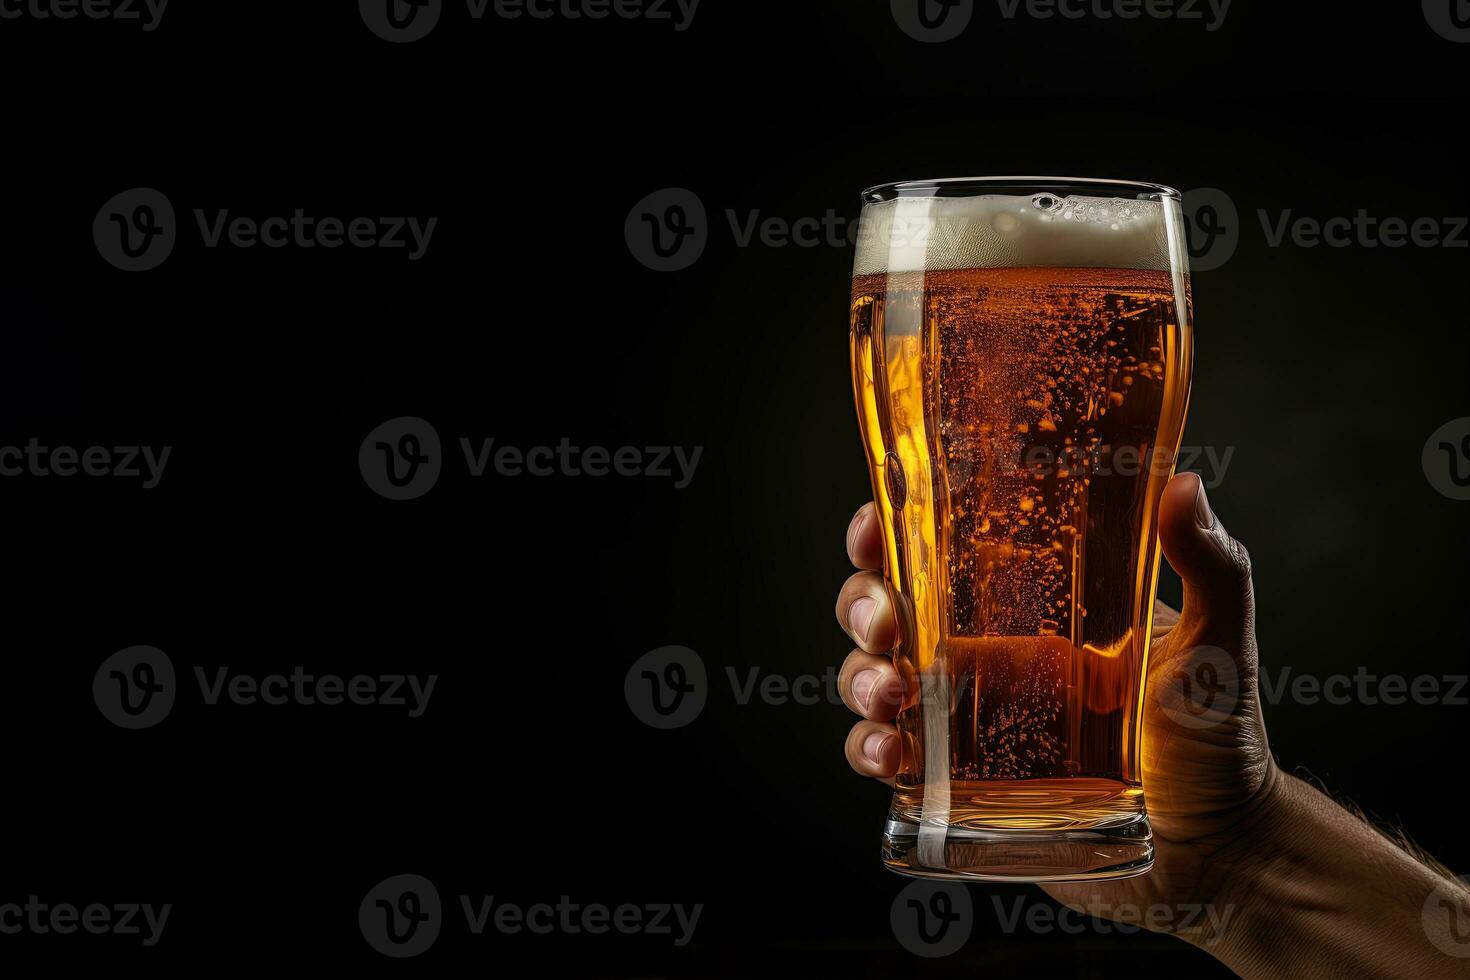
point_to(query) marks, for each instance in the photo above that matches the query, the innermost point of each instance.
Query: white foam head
(989, 231)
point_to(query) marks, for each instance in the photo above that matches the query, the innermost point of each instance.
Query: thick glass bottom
(1019, 830)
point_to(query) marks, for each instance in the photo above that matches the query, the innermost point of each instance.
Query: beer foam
(991, 231)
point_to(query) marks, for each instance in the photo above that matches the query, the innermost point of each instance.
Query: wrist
(1246, 874)
(1239, 864)
(1307, 889)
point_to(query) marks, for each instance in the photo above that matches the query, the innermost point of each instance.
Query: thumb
(1219, 600)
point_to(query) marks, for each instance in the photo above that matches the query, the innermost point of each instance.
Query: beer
(1021, 377)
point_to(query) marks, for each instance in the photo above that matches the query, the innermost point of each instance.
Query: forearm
(1320, 893)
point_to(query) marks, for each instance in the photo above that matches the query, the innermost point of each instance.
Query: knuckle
(845, 674)
(1240, 559)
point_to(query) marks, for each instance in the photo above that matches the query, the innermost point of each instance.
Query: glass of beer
(1021, 351)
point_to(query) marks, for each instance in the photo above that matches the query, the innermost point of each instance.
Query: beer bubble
(1045, 202)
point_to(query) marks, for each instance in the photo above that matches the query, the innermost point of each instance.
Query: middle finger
(864, 610)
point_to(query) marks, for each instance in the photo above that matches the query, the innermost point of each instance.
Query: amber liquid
(1021, 424)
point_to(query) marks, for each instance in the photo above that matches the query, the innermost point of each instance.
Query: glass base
(1121, 850)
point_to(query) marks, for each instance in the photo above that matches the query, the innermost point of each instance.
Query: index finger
(865, 539)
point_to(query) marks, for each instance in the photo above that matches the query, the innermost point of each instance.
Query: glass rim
(1019, 186)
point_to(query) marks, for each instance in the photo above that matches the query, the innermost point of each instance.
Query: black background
(529, 320)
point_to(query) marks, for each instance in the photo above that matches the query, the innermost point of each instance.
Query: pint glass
(1021, 352)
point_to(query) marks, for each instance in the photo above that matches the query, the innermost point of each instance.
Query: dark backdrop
(529, 320)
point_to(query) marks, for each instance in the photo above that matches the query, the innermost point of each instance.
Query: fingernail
(1203, 516)
(860, 615)
(873, 747)
(862, 686)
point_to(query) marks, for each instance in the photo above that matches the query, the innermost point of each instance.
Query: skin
(1309, 889)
